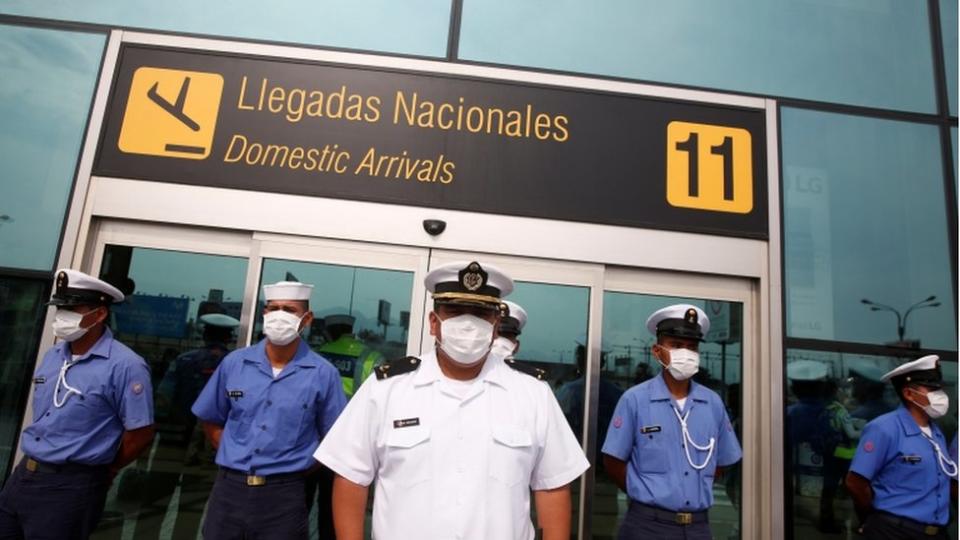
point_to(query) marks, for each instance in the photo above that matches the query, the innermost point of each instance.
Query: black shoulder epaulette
(397, 367)
(533, 371)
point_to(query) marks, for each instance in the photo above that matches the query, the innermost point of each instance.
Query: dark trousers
(60, 503)
(274, 511)
(643, 523)
(882, 526)
(321, 484)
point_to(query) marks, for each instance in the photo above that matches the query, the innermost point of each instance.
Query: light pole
(928, 302)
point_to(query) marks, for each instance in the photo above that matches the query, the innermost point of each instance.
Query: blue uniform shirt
(902, 468)
(271, 425)
(646, 434)
(116, 396)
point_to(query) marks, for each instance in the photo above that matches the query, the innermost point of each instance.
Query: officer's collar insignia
(691, 316)
(406, 422)
(234, 394)
(39, 380)
(533, 371)
(473, 277)
(397, 367)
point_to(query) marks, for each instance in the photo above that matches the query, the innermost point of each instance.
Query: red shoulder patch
(868, 446)
(617, 422)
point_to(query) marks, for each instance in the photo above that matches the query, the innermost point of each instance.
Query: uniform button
(686, 473)
(36, 439)
(263, 427)
(257, 451)
(688, 503)
(48, 414)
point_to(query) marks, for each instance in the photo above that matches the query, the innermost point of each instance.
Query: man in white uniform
(457, 438)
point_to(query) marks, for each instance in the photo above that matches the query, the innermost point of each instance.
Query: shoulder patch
(397, 367)
(535, 372)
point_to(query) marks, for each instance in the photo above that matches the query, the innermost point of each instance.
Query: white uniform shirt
(453, 465)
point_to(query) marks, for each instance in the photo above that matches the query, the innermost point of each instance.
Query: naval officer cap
(679, 320)
(74, 288)
(287, 290)
(339, 320)
(220, 320)
(514, 318)
(924, 371)
(468, 283)
(807, 371)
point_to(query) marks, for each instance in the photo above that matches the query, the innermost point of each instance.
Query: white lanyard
(688, 441)
(943, 461)
(62, 380)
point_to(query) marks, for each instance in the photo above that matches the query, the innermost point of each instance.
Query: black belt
(254, 480)
(669, 516)
(35, 465)
(911, 524)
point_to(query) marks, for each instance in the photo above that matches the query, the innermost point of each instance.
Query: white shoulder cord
(62, 380)
(688, 442)
(944, 461)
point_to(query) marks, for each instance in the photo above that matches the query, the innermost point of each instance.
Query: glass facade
(865, 231)
(824, 420)
(417, 27)
(45, 94)
(21, 313)
(163, 494)
(948, 25)
(875, 54)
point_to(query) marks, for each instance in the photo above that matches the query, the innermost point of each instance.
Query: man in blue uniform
(92, 415)
(265, 410)
(668, 435)
(900, 477)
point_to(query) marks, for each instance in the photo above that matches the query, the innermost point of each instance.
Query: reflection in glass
(45, 92)
(418, 28)
(626, 361)
(830, 398)
(797, 49)
(21, 314)
(893, 250)
(554, 340)
(180, 314)
(361, 318)
(948, 26)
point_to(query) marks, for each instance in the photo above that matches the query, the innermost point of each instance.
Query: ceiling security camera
(433, 227)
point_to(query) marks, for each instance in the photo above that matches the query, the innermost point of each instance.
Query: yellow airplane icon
(182, 127)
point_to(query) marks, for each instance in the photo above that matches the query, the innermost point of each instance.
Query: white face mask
(281, 327)
(503, 347)
(465, 338)
(66, 325)
(684, 363)
(939, 404)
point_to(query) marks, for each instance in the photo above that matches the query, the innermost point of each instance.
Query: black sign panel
(433, 140)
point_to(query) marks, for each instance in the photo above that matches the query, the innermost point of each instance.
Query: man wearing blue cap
(668, 435)
(900, 478)
(265, 409)
(457, 438)
(92, 415)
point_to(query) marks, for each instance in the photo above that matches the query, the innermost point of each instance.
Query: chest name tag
(911, 459)
(39, 380)
(650, 429)
(235, 394)
(406, 422)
